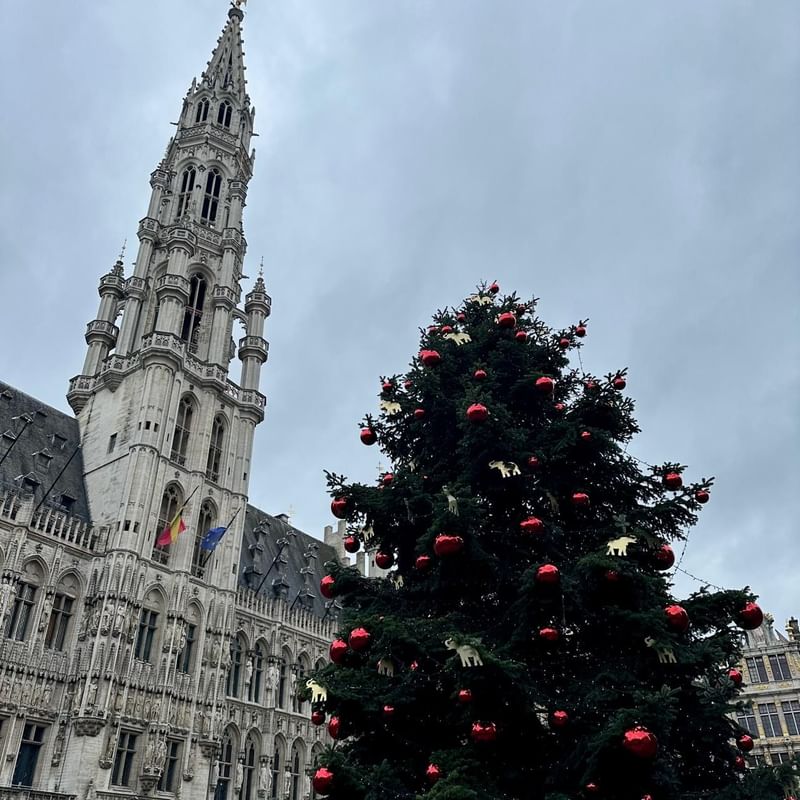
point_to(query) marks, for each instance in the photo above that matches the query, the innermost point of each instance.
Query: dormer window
(224, 114)
(29, 483)
(211, 196)
(202, 111)
(185, 194)
(42, 460)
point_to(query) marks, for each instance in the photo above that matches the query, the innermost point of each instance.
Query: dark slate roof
(282, 560)
(40, 451)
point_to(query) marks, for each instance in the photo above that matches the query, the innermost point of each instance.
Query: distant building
(130, 666)
(771, 671)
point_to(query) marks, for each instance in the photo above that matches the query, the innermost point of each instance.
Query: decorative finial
(122, 251)
(239, 3)
(261, 268)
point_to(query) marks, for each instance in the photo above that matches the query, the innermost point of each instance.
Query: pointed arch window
(208, 213)
(170, 503)
(188, 180)
(205, 522)
(294, 793)
(183, 428)
(235, 669)
(193, 312)
(257, 680)
(248, 791)
(225, 765)
(214, 459)
(202, 111)
(283, 683)
(224, 114)
(277, 763)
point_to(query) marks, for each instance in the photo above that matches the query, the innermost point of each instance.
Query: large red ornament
(368, 436)
(351, 544)
(592, 788)
(479, 374)
(465, 696)
(559, 407)
(533, 462)
(664, 557)
(477, 412)
(433, 773)
(327, 586)
(563, 343)
(586, 436)
(745, 743)
(619, 383)
(750, 617)
(323, 778)
(702, 496)
(672, 480)
(387, 478)
(549, 634)
(521, 336)
(317, 717)
(548, 573)
(423, 563)
(580, 499)
(339, 507)
(430, 358)
(419, 413)
(433, 328)
(677, 618)
(388, 711)
(545, 385)
(484, 732)
(334, 725)
(447, 328)
(383, 559)
(338, 650)
(740, 763)
(611, 576)
(735, 677)
(532, 525)
(407, 384)
(446, 545)
(387, 387)
(640, 742)
(359, 639)
(494, 288)
(461, 316)
(580, 330)
(559, 719)
(506, 320)
(591, 386)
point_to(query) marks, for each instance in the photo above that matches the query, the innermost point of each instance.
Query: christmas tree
(523, 642)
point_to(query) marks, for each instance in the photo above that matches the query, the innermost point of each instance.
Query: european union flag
(212, 538)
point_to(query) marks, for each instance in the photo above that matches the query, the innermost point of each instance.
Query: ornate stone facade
(129, 666)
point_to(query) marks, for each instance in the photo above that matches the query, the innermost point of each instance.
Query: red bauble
(548, 573)
(334, 725)
(317, 717)
(750, 617)
(559, 719)
(549, 634)
(745, 743)
(586, 436)
(419, 413)
(545, 385)
(533, 462)
(368, 436)
(339, 507)
(484, 731)
(739, 763)
(591, 386)
(611, 576)
(521, 336)
(580, 330)
(479, 374)
(433, 773)
(387, 478)
(563, 343)
(359, 639)
(446, 545)
(580, 499)
(494, 288)
(559, 407)
(413, 666)
(433, 328)
(664, 557)
(461, 317)
(388, 711)
(677, 618)
(619, 384)
(532, 525)
(383, 559)
(351, 544)
(430, 358)
(506, 320)
(477, 412)
(640, 742)
(735, 677)
(387, 386)
(338, 650)
(322, 780)
(672, 480)
(447, 328)
(592, 788)
(407, 384)
(327, 586)
(702, 496)
(465, 696)
(423, 563)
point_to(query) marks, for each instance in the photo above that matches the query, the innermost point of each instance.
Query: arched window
(208, 213)
(249, 778)
(277, 767)
(22, 599)
(183, 427)
(257, 679)
(205, 522)
(224, 114)
(193, 312)
(235, 669)
(214, 460)
(202, 111)
(283, 683)
(225, 765)
(185, 193)
(170, 504)
(302, 668)
(146, 647)
(62, 607)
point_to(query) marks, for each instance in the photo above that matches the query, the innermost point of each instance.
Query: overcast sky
(635, 163)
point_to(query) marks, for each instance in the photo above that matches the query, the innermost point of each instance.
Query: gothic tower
(161, 421)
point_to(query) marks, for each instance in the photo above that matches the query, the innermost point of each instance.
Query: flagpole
(211, 553)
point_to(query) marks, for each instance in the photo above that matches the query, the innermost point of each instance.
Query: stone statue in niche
(264, 778)
(119, 620)
(161, 754)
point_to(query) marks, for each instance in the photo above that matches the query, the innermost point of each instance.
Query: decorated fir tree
(524, 642)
